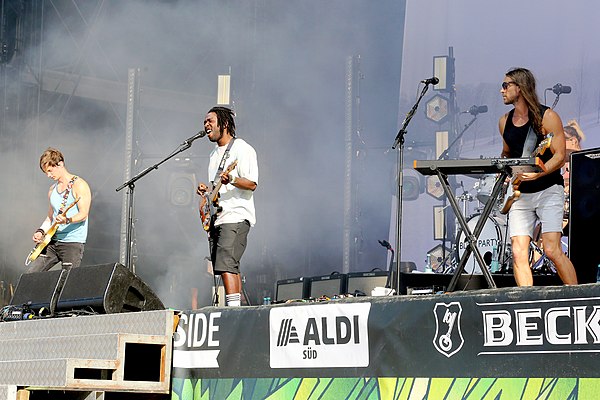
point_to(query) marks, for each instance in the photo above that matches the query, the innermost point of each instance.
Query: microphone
(474, 110)
(198, 135)
(385, 244)
(560, 89)
(433, 80)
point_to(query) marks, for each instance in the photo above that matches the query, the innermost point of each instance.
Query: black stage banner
(503, 333)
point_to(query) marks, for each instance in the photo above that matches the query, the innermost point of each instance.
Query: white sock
(233, 299)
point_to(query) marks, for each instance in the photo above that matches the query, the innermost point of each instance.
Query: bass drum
(492, 235)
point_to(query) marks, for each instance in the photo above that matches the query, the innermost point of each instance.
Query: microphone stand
(130, 184)
(444, 155)
(400, 141)
(388, 282)
(555, 101)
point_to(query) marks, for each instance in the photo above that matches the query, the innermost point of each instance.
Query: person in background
(573, 137)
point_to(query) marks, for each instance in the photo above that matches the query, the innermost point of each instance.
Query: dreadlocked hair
(225, 118)
(526, 82)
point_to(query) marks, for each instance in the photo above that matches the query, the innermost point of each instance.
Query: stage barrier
(525, 343)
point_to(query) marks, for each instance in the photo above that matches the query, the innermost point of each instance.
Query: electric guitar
(37, 250)
(510, 192)
(209, 202)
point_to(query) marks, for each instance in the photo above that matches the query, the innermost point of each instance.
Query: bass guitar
(37, 250)
(510, 191)
(209, 202)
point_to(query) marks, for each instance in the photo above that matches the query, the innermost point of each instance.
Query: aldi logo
(319, 336)
(287, 333)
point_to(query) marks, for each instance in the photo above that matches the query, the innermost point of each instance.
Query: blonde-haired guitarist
(542, 193)
(62, 235)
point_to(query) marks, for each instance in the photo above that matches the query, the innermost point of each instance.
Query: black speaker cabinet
(584, 213)
(327, 285)
(107, 288)
(291, 289)
(364, 282)
(39, 290)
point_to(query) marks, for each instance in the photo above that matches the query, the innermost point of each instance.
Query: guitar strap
(223, 160)
(530, 142)
(531, 139)
(67, 191)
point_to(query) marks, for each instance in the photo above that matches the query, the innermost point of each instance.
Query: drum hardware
(448, 264)
(501, 166)
(484, 187)
(492, 235)
(543, 266)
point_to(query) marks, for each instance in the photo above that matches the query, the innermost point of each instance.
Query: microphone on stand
(198, 135)
(560, 89)
(385, 244)
(474, 110)
(433, 81)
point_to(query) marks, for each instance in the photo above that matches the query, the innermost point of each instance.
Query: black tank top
(515, 136)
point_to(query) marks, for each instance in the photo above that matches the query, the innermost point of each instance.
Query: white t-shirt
(237, 204)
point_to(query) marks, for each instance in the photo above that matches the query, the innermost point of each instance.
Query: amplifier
(362, 283)
(327, 285)
(291, 289)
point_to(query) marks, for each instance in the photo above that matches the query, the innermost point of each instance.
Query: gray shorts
(546, 206)
(69, 254)
(228, 243)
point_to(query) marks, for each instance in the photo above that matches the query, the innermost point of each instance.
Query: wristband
(233, 179)
(44, 227)
(40, 230)
(68, 221)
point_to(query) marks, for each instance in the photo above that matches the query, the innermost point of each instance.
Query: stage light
(223, 89)
(413, 185)
(439, 220)
(437, 109)
(440, 70)
(434, 187)
(441, 143)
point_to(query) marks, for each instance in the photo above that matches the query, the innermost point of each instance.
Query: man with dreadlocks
(542, 193)
(229, 231)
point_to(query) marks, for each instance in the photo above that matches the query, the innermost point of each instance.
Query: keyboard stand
(471, 237)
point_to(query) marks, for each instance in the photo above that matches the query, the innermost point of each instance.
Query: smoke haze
(287, 62)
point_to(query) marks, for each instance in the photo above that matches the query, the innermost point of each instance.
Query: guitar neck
(214, 194)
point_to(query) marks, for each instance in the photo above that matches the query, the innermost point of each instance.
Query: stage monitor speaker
(584, 213)
(362, 283)
(106, 288)
(327, 285)
(39, 290)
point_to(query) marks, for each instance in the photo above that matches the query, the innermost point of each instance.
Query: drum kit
(493, 242)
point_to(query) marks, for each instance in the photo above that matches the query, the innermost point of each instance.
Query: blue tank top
(71, 233)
